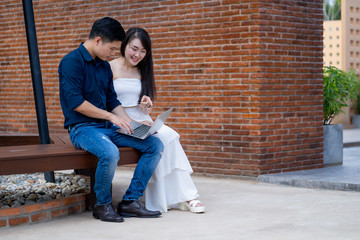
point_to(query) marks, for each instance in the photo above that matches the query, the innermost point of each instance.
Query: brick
(18, 221)
(74, 209)
(81, 197)
(58, 213)
(51, 204)
(39, 217)
(68, 201)
(3, 223)
(32, 208)
(10, 212)
(84, 206)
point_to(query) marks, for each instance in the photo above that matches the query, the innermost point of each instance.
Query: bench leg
(90, 172)
(92, 196)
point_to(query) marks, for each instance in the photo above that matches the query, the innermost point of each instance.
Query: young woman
(171, 185)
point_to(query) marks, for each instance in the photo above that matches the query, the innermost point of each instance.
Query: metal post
(36, 78)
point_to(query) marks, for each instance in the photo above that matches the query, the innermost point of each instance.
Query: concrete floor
(345, 177)
(236, 209)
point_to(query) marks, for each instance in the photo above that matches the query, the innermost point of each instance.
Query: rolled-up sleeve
(71, 82)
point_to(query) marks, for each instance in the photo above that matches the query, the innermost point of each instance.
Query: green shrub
(357, 104)
(339, 88)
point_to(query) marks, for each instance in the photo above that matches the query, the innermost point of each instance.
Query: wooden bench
(59, 155)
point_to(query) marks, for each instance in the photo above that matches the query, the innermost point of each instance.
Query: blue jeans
(102, 140)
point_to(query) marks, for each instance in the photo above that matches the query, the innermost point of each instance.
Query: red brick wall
(245, 76)
(42, 212)
(282, 50)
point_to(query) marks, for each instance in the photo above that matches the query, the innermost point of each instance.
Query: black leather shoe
(106, 213)
(135, 209)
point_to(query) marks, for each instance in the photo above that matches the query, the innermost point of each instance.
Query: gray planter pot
(356, 120)
(333, 144)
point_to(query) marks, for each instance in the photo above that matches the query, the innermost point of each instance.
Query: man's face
(105, 51)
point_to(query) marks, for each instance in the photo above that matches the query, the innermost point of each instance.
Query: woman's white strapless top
(128, 92)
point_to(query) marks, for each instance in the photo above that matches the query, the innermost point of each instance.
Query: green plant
(339, 88)
(357, 104)
(332, 10)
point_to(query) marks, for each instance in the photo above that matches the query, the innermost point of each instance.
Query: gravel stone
(20, 189)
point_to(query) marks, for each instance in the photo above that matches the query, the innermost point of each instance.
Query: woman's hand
(146, 104)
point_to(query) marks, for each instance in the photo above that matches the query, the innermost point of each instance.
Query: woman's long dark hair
(146, 65)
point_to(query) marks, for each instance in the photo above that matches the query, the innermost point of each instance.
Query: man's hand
(122, 123)
(117, 116)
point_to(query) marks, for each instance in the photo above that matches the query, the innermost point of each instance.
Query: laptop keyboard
(141, 131)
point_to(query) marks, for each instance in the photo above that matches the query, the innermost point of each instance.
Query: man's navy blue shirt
(83, 78)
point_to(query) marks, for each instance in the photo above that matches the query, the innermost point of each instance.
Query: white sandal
(191, 205)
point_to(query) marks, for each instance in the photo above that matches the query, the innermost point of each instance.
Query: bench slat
(51, 157)
(61, 155)
(41, 150)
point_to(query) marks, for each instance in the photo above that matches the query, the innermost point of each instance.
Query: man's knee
(110, 156)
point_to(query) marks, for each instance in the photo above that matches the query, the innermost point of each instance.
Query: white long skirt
(171, 182)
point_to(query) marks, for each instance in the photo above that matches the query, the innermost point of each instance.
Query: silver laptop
(142, 131)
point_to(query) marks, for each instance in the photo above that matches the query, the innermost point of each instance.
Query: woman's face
(134, 52)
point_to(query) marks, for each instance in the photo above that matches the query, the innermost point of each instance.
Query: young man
(93, 114)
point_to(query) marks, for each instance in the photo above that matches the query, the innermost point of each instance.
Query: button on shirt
(83, 78)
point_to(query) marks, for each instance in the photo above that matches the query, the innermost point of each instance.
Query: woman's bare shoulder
(115, 62)
(116, 67)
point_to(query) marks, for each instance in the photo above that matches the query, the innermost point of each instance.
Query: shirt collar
(87, 56)
(85, 53)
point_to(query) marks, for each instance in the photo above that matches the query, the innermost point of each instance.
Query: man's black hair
(108, 29)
